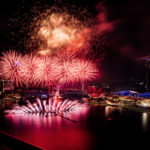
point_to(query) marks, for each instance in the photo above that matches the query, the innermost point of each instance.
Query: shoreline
(124, 106)
(135, 108)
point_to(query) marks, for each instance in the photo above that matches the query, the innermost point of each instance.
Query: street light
(83, 81)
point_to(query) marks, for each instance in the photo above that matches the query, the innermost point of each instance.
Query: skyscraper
(147, 69)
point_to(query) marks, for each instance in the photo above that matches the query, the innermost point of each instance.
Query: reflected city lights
(144, 120)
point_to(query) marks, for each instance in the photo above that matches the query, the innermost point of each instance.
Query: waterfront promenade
(136, 108)
(129, 106)
(9, 100)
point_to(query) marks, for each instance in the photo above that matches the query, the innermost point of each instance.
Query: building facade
(147, 70)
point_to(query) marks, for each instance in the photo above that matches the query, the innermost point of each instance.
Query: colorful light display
(50, 29)
(11, 68)
(93, 92)
(32, 69)
(54, 106)
(59, 40)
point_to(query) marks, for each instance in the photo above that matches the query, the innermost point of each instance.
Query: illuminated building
(112, 86)
(147, 68)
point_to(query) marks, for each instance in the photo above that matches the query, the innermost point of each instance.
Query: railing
(15, 143)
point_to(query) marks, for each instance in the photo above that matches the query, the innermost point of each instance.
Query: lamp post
(82, 81)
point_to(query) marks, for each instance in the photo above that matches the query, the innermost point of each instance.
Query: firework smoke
(50, 30)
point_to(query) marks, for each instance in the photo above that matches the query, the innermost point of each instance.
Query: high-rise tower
(147, 69)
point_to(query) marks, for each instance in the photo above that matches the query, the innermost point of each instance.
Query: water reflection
(76, 115)
(109, 110)
(52, 132)
(90, 131)
(37, 120)
(144, 120)
(5, 105)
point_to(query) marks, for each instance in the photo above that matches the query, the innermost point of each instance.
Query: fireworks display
(66, 68)
(85, 70)
(32, 69)
(48, 70)
(54, 106)
(57, 41)
(61, 27)
(11, 68)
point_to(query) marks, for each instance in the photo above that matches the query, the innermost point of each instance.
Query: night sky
(127, 37)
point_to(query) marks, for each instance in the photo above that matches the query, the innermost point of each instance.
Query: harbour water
(97, 128)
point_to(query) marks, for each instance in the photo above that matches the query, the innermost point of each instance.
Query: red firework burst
(11, 67)
(85, 70)
(34, 70)
(48, 70)
(31, 70)
(65, 70)
(72, 69)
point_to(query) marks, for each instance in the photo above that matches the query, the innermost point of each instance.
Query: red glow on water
(18, 139)
(52, 132)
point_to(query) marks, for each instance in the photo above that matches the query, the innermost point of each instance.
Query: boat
(112, 103)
